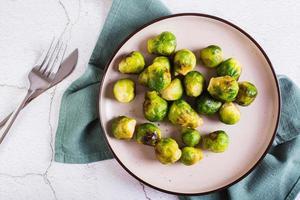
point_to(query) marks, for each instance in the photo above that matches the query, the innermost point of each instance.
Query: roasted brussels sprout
(124, 90)
(190, 137)
(133, 63)
(157, 76)
(167, 151)
(247, 93)
(194, 83)
(211, 56)
(173, 92)
(155, 108)
(230, 67)
(163, 61)
(163, 44)
(147, 133)
(181, 113)
(207, 105)
(229, 113)
(191, 155)
(184, 61)
(217, 141)
(123, 127)
(224, 88)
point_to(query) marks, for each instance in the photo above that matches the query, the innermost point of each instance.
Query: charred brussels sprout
(194, 83)
(217, 141)
(181, 113)
(184, 62)
(133, 63)
(207, 105)
(230, 67)
(191, 155)
(173, 92)
(155, 108)
(229, 113)
(167, 151)
(157, 76)
(224, 88)
(211, 56)
(163, 44)
(247, 93)
(148, 134)
(190, 137)
(124, 90)
(123, 127)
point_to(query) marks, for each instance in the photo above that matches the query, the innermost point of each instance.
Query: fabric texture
(79, 138)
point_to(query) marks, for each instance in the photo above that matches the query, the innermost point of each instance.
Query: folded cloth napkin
(79, 138)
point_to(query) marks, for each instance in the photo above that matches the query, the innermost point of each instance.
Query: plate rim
(205, 16)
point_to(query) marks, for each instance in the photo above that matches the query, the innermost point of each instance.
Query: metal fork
(40, 77)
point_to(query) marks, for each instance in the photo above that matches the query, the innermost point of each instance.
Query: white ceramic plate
(249, 139)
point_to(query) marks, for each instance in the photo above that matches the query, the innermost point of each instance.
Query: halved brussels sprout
(194, 83)
(157, 76)
(184, 61)
(173, 92)
(155, 108)
(148, 134)
(190, 137)
(229, 113)
(224, 88)
(211, 56)
(181, 113)
(230, 67)
(133, 63)
(123, 127)
(124, 90)
(167, 151)
(163, 44)
(191, 155)
(207, 105)
(247, 93)
(217, 141)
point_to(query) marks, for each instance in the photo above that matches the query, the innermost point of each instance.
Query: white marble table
(27, 170)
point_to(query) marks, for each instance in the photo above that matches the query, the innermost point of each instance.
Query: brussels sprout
(124, 90)
(173, 92)
(190, 137)
(163, 44)
(247, 93)
(224, 88)
(184, 61)
(230, 67)
(123, 127)
(211, 56)
(229, 113)
(194, 83)
(217, 141)
(207, 105)
(155, 108)
(133, 63)
(148, 134)
(167, 151)
(191, 155)
(157, 76)
(182, 113)
(163, 61)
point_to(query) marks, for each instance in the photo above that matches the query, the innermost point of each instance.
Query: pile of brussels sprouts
(171, 76)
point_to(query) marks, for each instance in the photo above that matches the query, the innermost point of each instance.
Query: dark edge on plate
(217, 19)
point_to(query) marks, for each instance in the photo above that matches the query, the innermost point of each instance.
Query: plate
(249, 139)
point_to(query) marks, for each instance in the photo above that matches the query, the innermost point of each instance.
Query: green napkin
(79, 138)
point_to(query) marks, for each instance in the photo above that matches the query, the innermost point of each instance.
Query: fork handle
(4, 130)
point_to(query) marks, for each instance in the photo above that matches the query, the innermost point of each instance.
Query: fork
(40, 77)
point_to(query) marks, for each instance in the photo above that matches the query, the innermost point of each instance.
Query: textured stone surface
(26, 27)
